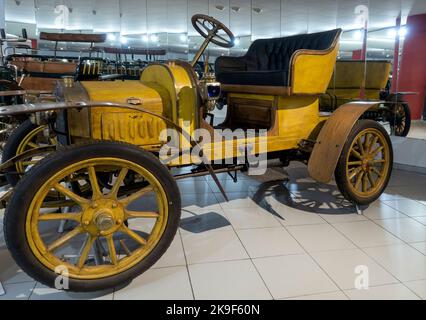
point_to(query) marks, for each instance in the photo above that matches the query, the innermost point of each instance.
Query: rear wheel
(113, 234)
(24, 138)
(400, 119)
(365, 165)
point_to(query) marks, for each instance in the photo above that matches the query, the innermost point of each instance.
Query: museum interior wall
(380, 57)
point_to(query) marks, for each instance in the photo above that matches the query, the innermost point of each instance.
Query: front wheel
(111, 234)
(365, 164)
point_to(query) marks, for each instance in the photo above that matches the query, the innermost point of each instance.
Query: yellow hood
(120, 91)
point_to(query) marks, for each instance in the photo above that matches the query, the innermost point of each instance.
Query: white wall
(410, 153)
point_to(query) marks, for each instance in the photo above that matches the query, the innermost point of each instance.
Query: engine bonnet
(122, 91)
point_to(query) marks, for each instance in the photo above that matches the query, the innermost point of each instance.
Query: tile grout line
(186, 265)
(32, 291)
(251, 260)
(312, 258)
(376, 261)
(361, 249)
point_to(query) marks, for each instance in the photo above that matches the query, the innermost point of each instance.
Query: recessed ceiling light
(357, 35)
(258, 10)
(236, 9)
(18, 3)
(220, 7)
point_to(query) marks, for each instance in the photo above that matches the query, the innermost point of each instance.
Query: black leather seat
(267, 62)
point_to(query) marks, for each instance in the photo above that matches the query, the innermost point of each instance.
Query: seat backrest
(351, 74)
(275, 54)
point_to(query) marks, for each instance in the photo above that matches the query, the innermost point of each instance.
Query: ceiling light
(111, 37)
(123, 40)
(183, 38)
(145, 38)
(236, 9)
(258, 10)
(357, 35)
(153, 38)
(236, 41)
(391, 33)
(18, 3)
(220, 7)
(403, 32)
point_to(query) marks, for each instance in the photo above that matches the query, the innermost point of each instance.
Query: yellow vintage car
(105, 206)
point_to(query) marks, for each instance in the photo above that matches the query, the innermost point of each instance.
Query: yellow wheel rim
(100, 220)
(28, 143)
(368, 163)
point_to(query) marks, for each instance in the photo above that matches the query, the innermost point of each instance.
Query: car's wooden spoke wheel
(365, 165)
(102, 216)
(113, 232)
(25, 137)
(368, 162)
(31, 141)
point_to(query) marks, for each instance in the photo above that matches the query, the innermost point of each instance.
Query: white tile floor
(276, 240)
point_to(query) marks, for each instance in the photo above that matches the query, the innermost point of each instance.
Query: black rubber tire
(16, 213)
(340, 173)
(11, 147)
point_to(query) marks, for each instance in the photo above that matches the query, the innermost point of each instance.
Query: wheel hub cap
(104, 222)
(103, 217)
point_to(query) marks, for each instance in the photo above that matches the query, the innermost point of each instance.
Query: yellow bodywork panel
(312, 72)
(124, 125)
(350, 77)
(164, 89)
(121, 91)
(295, 118)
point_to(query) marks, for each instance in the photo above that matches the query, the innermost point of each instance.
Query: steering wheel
(208, 27)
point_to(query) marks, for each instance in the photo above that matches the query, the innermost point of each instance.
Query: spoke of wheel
(355, 173)
(85, 252)
(74, 216)
(379, 161)
(63, 240)
(360, 146)
(377, 172)
(359, 180)
(32, 145)
(356, 154)
(370, 178)
(68, 193)
(367, 142)
(355, 163)
(121, 176)
(134, 236)
(97, 193)
(141, 214)
(364, 183)
(136, 195)
(112, 251)
(377, 151)
(374, 142)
